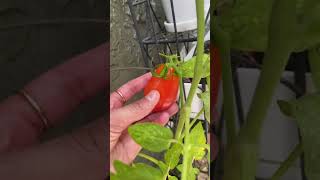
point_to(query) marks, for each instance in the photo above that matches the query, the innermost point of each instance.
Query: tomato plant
(166, 81)
(188, 143)
(278, 28)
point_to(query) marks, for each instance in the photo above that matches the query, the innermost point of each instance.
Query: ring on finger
(123, 99)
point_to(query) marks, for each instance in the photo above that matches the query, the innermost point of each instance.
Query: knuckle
(139, 106)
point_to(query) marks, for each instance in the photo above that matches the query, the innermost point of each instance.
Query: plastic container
(185, 14)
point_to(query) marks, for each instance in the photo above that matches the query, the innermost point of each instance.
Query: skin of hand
(81, 154)
(122, 146)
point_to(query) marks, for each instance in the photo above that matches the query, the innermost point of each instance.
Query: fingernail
(152, 95)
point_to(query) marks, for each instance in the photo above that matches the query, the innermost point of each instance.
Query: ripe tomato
(167, 86)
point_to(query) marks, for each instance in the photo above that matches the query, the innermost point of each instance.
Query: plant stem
(294, 155)
(222, 41)
(280, 45)
(314, 60)
(181, 103)
(197, 117)
(194, 120)
(187, 161)
(155, 161)
(282, 28)
(208, 82)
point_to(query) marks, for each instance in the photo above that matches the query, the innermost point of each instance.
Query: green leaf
(197, 139)
(172, 156)
(138, 171)
(172, 178)
(187, 67)
(120, 167)
(286, 107)
(307, 115)
(205, 97)
(150, 136)
(247, 22)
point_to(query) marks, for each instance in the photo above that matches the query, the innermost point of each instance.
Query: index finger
(128, 90)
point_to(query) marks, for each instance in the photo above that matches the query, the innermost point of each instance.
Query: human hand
(122, 147)
(80, 154)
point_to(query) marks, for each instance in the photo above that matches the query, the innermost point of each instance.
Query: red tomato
(168, 88)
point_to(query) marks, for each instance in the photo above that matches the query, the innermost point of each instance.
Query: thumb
(123, 117)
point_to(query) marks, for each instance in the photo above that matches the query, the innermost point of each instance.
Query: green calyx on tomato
(171, 66)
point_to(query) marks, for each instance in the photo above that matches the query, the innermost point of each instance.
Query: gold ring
(121, 95)
(36, 107)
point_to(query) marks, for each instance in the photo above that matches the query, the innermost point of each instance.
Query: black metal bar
(137, 2)
(152, 23)
(237, 94)
(158, 22)
(144, 56)
(148, 41)
(175, 26)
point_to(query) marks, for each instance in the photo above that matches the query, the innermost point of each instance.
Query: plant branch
(194, 120)
(294, 155)
(282, 28)
(181, 103)
(198, 69)
(222, 41)
(155, 161)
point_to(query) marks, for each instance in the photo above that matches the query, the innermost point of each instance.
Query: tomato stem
(155, 161)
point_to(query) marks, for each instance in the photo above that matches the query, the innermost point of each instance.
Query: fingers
(57, 92)
(128, 90)
(135, 111)
(126, 149)
(161, 117)
(121, 118)
(84, 152)
(63, 88)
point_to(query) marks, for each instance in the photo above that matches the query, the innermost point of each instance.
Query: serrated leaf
(172, 156)
(307, 115)
(151, 136)
(138, 171)
(197, 139)
(187, 67)
(172, 178)
(205, 97)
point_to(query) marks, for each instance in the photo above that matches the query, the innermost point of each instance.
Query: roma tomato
(167, 86)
